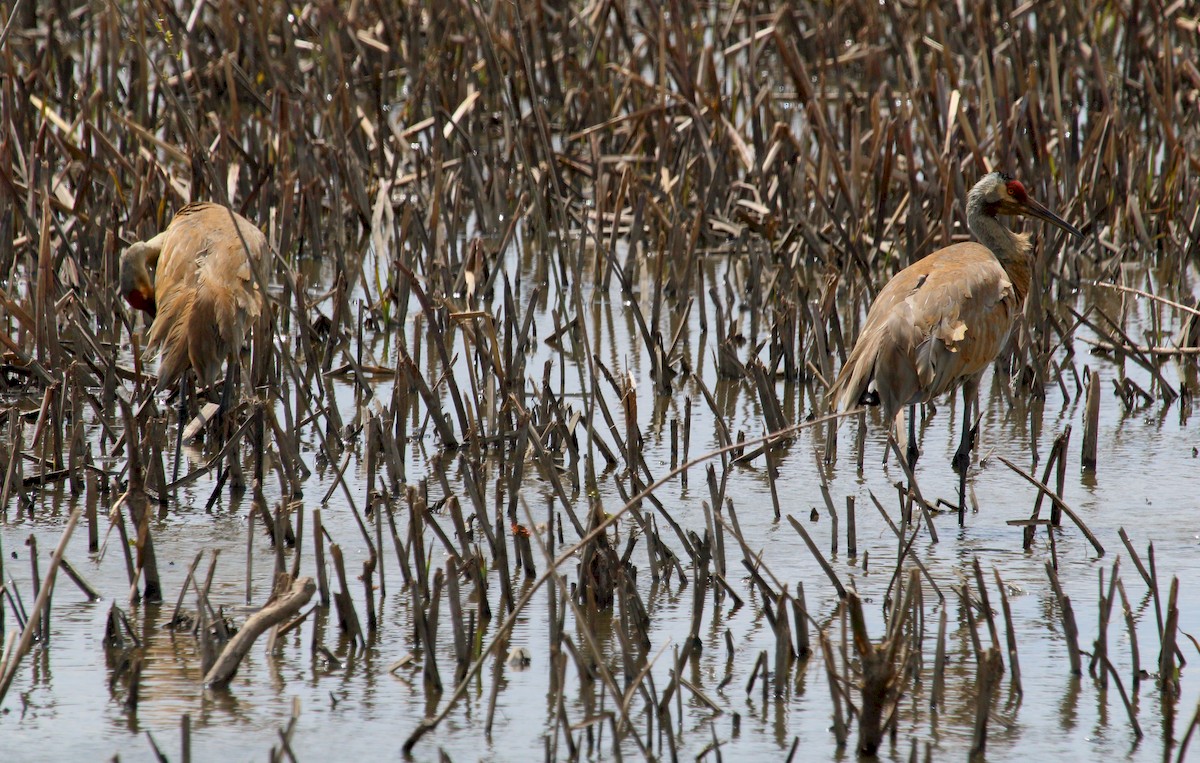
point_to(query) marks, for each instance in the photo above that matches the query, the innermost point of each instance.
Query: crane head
(135, 283)
(1002, 195)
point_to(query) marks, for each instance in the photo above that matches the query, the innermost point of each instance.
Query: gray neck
(989, 231)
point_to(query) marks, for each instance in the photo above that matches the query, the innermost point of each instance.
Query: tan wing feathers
(937, 322)
(206, 293)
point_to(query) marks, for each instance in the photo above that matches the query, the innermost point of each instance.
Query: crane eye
(1016, 190)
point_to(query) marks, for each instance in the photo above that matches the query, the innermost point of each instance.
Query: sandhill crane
(204, 294)
(940, 322)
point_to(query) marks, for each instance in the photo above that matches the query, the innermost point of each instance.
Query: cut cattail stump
(881, 687)
(598, 566)
(1168, 666)
(987, 678)
(1091, 421)
(938, 692)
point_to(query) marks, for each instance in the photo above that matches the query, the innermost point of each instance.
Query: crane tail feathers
(878, 372)
(193, 330)
(853, 384)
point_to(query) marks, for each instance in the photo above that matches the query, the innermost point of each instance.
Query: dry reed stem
(13, 657)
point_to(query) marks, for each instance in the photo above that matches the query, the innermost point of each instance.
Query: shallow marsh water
(726, 150)
(1146, 482)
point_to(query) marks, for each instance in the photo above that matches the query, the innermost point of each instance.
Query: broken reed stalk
(1096, 544)
(1187, 737)
(138, 503)
(840, 733)
(1130, 710)
(851, 529)
(1010, 634)
(250, 552)
(905, 548)
(588, 634)
(1104, 611)
(347, 614)
(1070, 629)
(800, 610)
(812, 547)
(88, 590)
(43, 620)
(31, 624)
(985, 604)
(185, 738)
(319, 553)
(174, 621)
(987, 679)
(1131, 626)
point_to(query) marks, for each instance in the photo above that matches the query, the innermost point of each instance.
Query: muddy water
(1147, 482)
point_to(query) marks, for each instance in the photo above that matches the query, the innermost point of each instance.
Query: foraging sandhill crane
(204, 294)
(940, 322)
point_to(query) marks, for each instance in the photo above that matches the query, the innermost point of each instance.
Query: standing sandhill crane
(940, 322)
(204, 294)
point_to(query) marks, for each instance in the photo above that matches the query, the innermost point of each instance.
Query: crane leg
(962, 457)
(913, 450)
(226, 399)
(183, 396)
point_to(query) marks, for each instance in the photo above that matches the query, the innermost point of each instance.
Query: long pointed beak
(1035, 209)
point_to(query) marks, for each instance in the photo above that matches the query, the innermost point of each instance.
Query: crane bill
(1035, 209)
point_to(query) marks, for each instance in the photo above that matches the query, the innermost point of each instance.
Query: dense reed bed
(556, 293)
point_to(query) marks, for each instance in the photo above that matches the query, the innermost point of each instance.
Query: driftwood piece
(284, 607)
